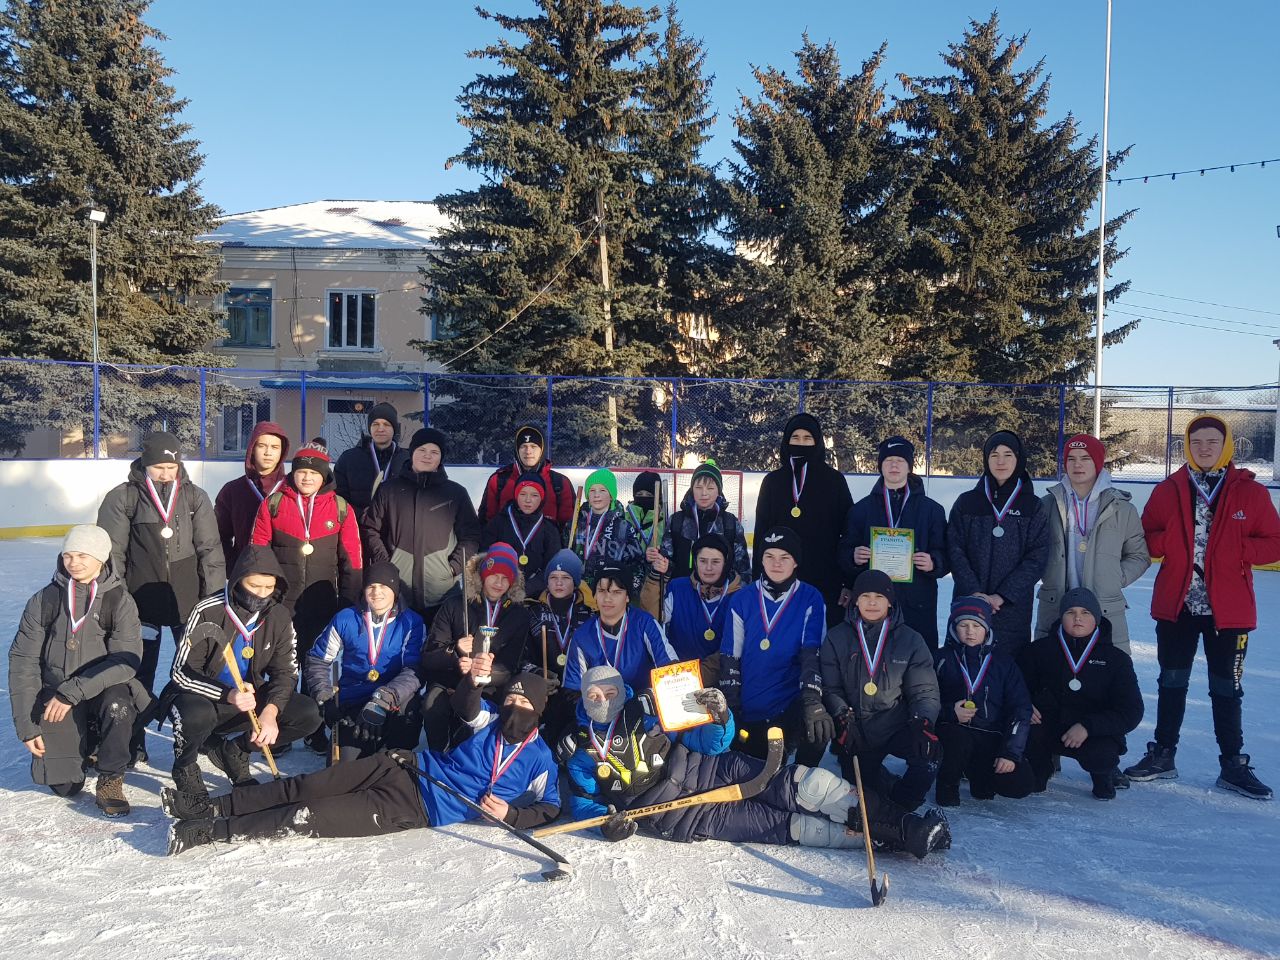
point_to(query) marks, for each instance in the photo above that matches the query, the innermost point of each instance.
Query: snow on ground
(1175, 869)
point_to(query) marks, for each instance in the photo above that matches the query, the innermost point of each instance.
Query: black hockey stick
(878, 893)
(563, 869)
(726, 794)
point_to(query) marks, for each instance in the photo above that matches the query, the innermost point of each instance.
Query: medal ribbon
(593, 538)
(785, 602)
(1204, 494)
(1077, 665)
(524, 541)
(710, 612)
(973, 685)
(71, 604)
(381, 473)
(637, 521)
(602, 747)
(246, 633)
(166, 513)
(1001, 514)
(562, 636)
(798, 490)
(258, 493)
(1082, 522)
(501, 766)
(888, 510)
(491, 611)
(872, 664)
(375, 643)
(617, 651)
(306, 517)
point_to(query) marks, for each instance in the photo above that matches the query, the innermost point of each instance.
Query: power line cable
(1184, 323)
(1206, 303)
(1200, 316)
(1174, 174)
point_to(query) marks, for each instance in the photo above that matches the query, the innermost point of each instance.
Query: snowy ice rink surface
(1175, 869)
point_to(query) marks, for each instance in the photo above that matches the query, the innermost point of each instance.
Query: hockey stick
(546, 674)
(879, 893)
(234, 666)
(573, 527)
(335, 752)
(727, 794)
(563, 868)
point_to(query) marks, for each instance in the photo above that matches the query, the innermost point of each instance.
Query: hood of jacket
(259, 431)
(259, 559)
(1014, 442)
(815, 454)
(1104, 490)
(108, 579)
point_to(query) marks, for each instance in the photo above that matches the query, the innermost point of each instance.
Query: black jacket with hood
(824, 503)
(354, 473)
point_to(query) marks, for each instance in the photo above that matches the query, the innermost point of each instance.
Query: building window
(351, 319)
(248, 318)
(238, 423)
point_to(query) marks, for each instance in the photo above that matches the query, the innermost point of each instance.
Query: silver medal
(997, 532)
(1075, 683)
(166, 532)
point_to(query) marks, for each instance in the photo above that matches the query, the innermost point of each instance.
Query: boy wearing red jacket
(1211, 522)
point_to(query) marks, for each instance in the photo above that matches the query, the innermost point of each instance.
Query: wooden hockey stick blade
(879, 894)
(726, 794)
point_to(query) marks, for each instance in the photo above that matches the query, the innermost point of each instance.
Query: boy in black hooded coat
(810, 497)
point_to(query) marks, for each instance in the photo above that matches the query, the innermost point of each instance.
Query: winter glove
(565, 748)
(731, 682)
(553, 685)
(332, 713)
(924, 742)
(818, 725)
(618, 827)
(848, 733)
(713, 701)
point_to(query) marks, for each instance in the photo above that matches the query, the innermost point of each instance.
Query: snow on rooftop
(334, 224)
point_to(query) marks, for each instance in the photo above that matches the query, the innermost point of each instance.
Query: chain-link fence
(52, 410)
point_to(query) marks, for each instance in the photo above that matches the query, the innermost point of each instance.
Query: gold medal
(795, 511)
(708, 634)
(1082, 547)
(970, 705)
(524, 560)
(870, 688)
(247, 653)
(562, 660)
(308, 549)
(764, 644)
(603, 771)
(373, 675)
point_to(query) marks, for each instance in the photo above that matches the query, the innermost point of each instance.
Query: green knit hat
(709, 469)
(606, 479)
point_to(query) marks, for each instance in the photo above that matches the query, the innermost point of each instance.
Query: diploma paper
(673, 688)
(891, 552)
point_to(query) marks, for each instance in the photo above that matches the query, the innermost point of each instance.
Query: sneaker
(1103, 788)
(947, 795)
(187, 806)
(1238, 776)
(110, 795)
(233, 760)
(185, 834)
(1119, 780)
(1156, 765)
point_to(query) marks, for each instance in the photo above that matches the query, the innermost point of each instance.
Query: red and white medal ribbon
(258, 493)
(768, 621)
(306, 516)
(797, 488)
(246, 633)
(873, 663)
(501, 766)
(376, 642)
(1004, 512)
(1201, 492)
(165, 510)
(71, 604)
(970, 684)
(888, 510)
(617, 651)
(593, 538)
(1077, 665)
(524, 541)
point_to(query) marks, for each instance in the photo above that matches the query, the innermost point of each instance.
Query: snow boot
(895, 828)
(187, 779)
(821, 791)
(923, 833)
(1156, 765)
(1238, 776)
(185, 834)
(189, 806)
(110, 795)
(67, 789)
(810, 831)
(948, 794)
(233, 760)
(1118, 779)
(1103, 788)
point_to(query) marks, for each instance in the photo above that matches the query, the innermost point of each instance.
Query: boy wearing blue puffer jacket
(986, 711)
(378, 645)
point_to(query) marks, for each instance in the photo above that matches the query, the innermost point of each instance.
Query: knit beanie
(784, 538)
(716, 542)
(311, 457)
(427, 435)
(384, 411)
(896, 447)
(533, 688)
(500, 559)
(970, 608)
(566, 561)
(385, 573)
(615, 574)
(709, 469)
(160, 447)
(88, 539)
(1005, 438)
(530, 434)
(604, 476)
(1081, 597)
(644, 489)
(874, 581)
(1090, 445)
(534, 481)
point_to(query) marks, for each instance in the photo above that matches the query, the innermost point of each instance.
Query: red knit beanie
(1091, 445)
(501, 558)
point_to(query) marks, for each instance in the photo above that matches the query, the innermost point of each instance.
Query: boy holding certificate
(899, 530)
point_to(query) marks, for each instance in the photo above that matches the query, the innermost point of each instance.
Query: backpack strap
(342, 510)
(273, 503)
(50, 599)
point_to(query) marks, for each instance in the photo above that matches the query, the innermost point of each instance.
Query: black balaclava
(813, 455)
(519, 722)
(250, 602)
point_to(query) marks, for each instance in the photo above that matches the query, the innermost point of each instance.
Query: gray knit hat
(90, 539)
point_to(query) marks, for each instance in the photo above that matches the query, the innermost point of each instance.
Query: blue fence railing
(62, 410)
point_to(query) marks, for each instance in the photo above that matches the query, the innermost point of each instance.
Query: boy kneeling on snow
(1084, 693)
(621, 759)
(503, 766)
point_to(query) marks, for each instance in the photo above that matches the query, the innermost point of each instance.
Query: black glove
(553, 685)
(618, 827)
(565, 748)
(373, 717)
(731, 682)
(848, 735)
(331, 710)
(714, 702)
(818, 725)
(924, 742)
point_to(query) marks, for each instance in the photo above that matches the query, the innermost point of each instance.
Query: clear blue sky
(298, 101)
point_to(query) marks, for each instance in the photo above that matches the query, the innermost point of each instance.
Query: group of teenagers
(449, 660)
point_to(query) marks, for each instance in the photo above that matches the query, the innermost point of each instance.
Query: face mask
(250, 601)
(603, 711)
(518, 722)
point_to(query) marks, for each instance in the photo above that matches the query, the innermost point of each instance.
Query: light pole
(1102, 238)
(1275, 453)
(95, 217)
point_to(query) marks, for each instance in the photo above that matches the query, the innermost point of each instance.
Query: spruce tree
(87, 119)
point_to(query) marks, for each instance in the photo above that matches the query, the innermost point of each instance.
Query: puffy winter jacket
(689, 523)
(354, 474)
(165, 576)
(510, 526)
(236, 505)
(500, 489)
(1002, 700)
(347, 640)
(1245, 531)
